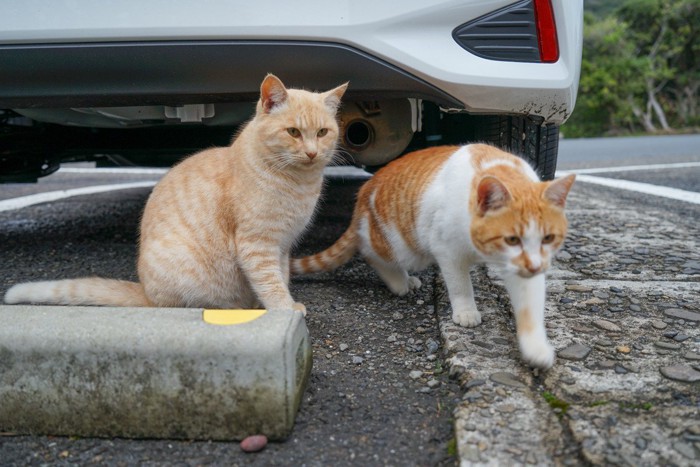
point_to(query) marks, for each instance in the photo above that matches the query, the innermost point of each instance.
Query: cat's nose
(311, 155)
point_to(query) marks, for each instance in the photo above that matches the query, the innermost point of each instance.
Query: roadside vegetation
(641, 69)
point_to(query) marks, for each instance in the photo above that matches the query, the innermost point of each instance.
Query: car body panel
(412, 36)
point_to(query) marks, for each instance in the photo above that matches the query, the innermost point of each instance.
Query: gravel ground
(396, 383)
(623, 311)
(379, 392)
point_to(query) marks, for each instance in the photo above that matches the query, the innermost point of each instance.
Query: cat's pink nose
(534, 269)
(311, 155)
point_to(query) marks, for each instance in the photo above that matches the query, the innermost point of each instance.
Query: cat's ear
(557, 190)
(272, 93)
(332, 98)
(491, 194)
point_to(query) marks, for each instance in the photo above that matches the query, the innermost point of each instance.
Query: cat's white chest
(444, 219)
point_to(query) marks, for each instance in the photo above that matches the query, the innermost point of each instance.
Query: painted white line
(112, 170)
(656, 190)
(24, 201)
(344, 171)
(631, 168)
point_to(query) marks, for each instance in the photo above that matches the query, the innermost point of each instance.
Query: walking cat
(458, 206)
(217, 229)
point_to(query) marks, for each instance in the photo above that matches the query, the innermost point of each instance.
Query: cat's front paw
(537, 354)
(414, 283)
(299, 307)
(466, 318)
(403, 285)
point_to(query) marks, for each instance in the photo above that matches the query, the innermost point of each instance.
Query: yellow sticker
(228, 317)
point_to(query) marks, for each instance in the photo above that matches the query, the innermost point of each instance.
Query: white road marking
(347, 172)
(354, 172)
(631, 168)
(647, 188)
(24, 201)
(343, 171)
(112, 170)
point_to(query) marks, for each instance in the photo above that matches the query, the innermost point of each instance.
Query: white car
(146, 82)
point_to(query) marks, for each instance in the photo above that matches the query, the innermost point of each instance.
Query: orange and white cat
(458, 206)
(218, 228)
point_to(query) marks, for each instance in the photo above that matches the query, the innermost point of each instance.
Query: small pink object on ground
(254, 443)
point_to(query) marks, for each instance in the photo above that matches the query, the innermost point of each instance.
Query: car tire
(536, 143)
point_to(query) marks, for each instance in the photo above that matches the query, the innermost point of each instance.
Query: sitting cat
(457, 206)
(217, 229)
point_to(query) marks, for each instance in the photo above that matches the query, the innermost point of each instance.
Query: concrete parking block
(150, 372)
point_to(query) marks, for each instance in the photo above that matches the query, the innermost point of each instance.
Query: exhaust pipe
(359, 134)
(374, 133)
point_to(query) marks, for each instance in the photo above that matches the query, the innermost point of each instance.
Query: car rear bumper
(76, 53)
(176, 73)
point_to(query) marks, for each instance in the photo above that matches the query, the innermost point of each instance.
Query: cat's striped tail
(87, 291)
(331, 258)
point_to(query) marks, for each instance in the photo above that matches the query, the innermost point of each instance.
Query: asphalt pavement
(394, 382)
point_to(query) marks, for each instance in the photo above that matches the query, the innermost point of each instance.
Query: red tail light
(546, 31)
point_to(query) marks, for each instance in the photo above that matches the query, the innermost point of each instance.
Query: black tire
(25, 155)
(536, 143)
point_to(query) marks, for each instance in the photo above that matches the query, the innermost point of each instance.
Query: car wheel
(537, 144)
(25, 155)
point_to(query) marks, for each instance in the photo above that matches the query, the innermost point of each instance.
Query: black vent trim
(508, 34)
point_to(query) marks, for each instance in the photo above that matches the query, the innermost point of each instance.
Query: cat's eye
(548, 238)
(294, 132)
(322, 132)
(512, 240)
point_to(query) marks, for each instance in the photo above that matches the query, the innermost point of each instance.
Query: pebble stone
(431, 346)
(579, 288)
(682, 314)
(254, 443)
(685, 449)
(474, 382)
(606, 325)
(680, 337)
(507, 379)
(575, 352)
(564, 256)
(667, 345)
(682, 373)
(471, 396)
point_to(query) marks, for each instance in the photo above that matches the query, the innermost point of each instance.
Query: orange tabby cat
(217, 229)
(458, 206)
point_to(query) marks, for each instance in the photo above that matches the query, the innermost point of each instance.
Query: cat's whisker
(345, 154)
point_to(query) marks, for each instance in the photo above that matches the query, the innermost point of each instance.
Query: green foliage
(636, 406)
(452, 447)
(556, 403)
(640, 69)
(438, 367)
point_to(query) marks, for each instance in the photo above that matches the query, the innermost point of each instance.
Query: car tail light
(522, 32)
(546, 31)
